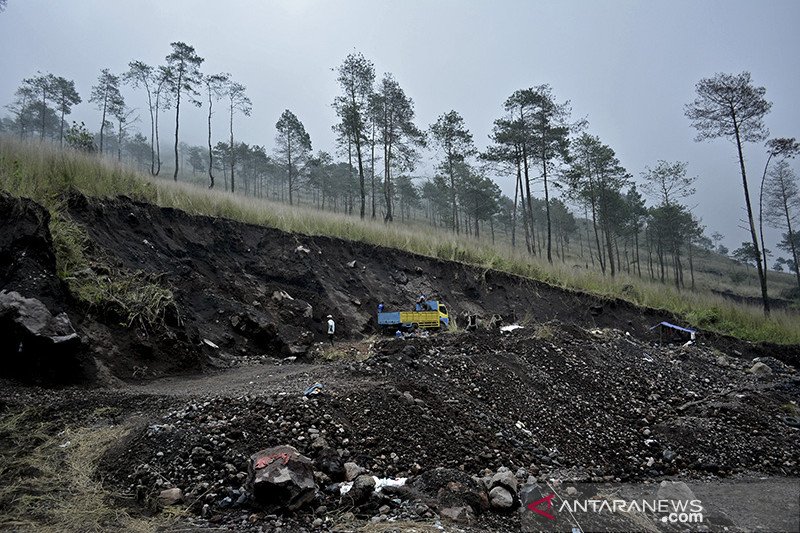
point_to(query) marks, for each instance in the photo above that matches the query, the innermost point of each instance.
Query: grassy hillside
(43, 173)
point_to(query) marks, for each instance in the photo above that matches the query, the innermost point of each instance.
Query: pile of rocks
(470, 420)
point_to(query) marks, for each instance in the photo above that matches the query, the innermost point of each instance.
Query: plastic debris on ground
(520, 426)
(380, 483)
(314, 389)
(511, 327)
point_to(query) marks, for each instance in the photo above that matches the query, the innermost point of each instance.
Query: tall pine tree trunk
(158, 147)
(152, 131)
(547, 209)
(791, 240)
(119, 141)
(514, 210)
(177, 123)
(233, 154)
(607, 232)
(636, 243)
(387, 169)
(600, 255)
(453, 191)
(210, 149)
(61, 127)
(762, 276)
(44, 112)
(103, 123)
(525, 218)
(530, 203)
(289, 160)
(372, 164)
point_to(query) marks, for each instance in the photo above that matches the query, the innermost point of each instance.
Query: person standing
(331, 328)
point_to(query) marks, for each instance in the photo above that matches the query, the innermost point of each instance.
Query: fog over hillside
(627, 67)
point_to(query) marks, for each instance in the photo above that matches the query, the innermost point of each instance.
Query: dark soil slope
(27, 260)
(244, 291)
(228, 276)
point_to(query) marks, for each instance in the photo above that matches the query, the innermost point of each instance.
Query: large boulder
(262, 332)
(281, 477)
(501, 499)
(352, 471)
(171, 496)
(452, 488)
(363, 487)
(677, 491)
(760, 369)
(461, 515)
(502, 489)
(504, 478)
(35, 343)
(329, 462)
(32, 318)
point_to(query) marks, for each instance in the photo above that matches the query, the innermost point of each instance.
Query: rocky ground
(449, 414)
(217, 424)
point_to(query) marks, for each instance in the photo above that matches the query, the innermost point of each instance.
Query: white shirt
(331, 326)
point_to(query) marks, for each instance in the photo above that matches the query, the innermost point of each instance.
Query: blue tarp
(673, 326)
(316, 388)
(389, 319)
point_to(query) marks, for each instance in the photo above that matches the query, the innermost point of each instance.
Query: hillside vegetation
(44, 173)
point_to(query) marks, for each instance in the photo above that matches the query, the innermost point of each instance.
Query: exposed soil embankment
(252, 291)
(27, 258)
(220, 269)
(36, 337)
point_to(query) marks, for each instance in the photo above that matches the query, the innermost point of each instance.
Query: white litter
(281, 295)
(512, 327)
(520, 426)
(302, 248)
(380, 483)
(209, 343)
(388, 482)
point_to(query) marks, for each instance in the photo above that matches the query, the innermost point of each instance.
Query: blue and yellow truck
(429, 314)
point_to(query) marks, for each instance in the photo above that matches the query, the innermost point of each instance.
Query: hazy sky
(627, 66)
